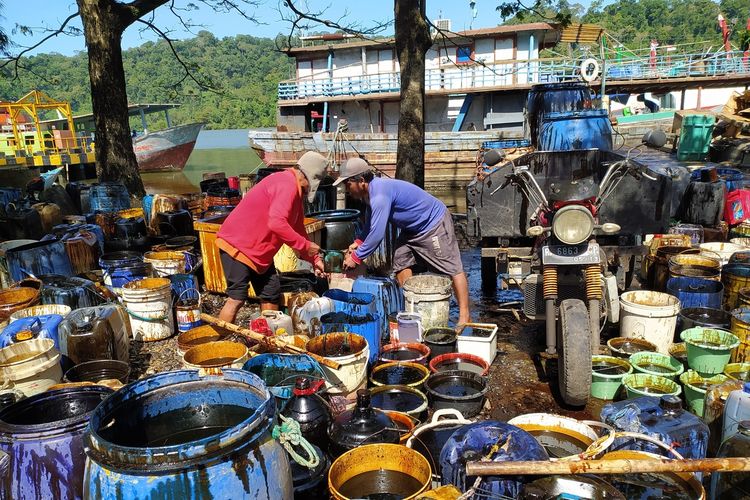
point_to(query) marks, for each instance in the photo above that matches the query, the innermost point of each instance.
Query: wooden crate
(213, 272)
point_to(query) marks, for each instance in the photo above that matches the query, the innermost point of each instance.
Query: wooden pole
(615, 466)
(272, 341)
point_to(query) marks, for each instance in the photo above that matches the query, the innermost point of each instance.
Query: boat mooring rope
(290, 436)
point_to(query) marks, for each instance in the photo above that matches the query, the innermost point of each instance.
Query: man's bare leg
(403, 275)
(229, 311)
(461, 289)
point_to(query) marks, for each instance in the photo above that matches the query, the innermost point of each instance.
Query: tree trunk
(412, 42)
(115, 160)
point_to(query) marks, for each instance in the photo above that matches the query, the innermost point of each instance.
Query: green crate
(695, 137)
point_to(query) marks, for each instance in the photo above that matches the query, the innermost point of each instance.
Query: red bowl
(460, 361)
(388, 351)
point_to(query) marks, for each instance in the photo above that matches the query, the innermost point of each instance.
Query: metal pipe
(594, 324)
(614, 466)
(550, 326)
(330, 81)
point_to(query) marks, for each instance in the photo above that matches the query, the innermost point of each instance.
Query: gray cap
(313, 165)
(352, 168)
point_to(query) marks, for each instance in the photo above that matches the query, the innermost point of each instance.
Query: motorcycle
(573, 217)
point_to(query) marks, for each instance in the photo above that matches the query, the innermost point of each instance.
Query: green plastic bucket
(656, 363)
(606, 375)
(709, 349)
(738, 371)
(641, 384)
(695, 389)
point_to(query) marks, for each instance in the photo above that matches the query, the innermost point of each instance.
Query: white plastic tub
(649, 315)
(484, 346)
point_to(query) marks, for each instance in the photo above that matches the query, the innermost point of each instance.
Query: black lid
(670, 403)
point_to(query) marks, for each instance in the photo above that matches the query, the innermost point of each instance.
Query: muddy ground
(518, 378)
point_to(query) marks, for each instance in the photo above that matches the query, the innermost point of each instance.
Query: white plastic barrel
(33, 366)
(649, 315)
(429, 295)
(149, 305)
(736, 409)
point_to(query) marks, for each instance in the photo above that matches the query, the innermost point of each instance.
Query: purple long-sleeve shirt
(410, 208)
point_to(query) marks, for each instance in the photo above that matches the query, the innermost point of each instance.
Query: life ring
(589, 69)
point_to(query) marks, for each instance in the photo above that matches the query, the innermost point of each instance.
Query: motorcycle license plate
(570, 255)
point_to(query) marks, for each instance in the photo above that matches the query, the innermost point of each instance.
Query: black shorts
(267, 286)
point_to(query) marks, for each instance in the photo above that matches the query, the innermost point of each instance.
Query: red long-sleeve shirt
(270, 214)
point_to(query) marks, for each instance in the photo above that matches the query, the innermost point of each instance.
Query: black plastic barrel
(703, 203)
(340, 228)
(704, 317)
(175, 223)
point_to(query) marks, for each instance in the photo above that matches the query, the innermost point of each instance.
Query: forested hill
(246, 70)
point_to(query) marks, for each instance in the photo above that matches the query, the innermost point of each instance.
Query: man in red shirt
(271, 214)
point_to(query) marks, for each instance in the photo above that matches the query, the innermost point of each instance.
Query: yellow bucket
(375, 460)
(735, 277)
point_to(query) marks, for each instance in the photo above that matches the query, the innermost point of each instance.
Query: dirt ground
(518, 378)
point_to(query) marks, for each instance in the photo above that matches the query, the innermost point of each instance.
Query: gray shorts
(437, 249)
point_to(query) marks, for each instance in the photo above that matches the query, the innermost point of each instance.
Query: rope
(290, 435)
(143, 318)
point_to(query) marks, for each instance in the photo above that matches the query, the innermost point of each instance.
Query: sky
(50, 13)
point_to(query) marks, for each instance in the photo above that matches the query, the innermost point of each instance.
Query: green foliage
(244, 71)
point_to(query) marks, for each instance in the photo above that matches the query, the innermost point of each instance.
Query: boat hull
(450, 157)
(166, 150)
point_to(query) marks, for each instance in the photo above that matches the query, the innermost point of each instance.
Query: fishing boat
(39, 131)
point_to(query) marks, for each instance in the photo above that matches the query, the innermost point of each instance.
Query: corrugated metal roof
(581, 33)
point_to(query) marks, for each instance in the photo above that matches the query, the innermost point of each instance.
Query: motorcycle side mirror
(654, 138)
(493, 157)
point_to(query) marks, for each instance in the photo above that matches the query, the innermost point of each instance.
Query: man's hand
(313, 249)
(319, 269)
(353, 247)
(349, 263)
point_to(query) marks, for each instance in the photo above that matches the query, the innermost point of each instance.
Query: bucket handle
(449, 413)
(197, 292)
(716, 255)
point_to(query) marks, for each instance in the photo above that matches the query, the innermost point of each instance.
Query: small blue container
(366, 325)
(351, 302)
(280, 371)
(474, 441)
(42, 327)
(183, 282)
(42, 257)
(662, 418)
(696, 292)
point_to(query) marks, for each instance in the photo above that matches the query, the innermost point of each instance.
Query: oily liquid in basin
(380, 484)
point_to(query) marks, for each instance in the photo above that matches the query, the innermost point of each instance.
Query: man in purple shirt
(427, 236)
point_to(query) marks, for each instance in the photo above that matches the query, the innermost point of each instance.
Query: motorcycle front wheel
(574, 352)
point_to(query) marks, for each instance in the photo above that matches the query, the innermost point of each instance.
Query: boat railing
(508, 74)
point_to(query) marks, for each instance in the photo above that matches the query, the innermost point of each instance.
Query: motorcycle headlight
(573, 224)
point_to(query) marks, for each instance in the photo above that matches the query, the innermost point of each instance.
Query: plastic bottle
(734, 485)
(713, 415)
(736, 410)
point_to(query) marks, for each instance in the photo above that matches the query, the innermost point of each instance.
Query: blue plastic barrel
(43, 435)
(366, 325)
(119, 268)
(42, 327)
(569, 130)
(182, 283)
(733, 179)
(9, 195)
(476, 440)
(687, 433)
(69, 290)
(389, 299)
(182, 435)
(554, 98)
(42, 257)
(109, 197)
(696, 292)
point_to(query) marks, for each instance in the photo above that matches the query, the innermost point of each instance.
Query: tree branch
(15, 59)
(354, 30)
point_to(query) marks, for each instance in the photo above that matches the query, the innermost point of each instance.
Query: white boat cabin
(475, 80)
